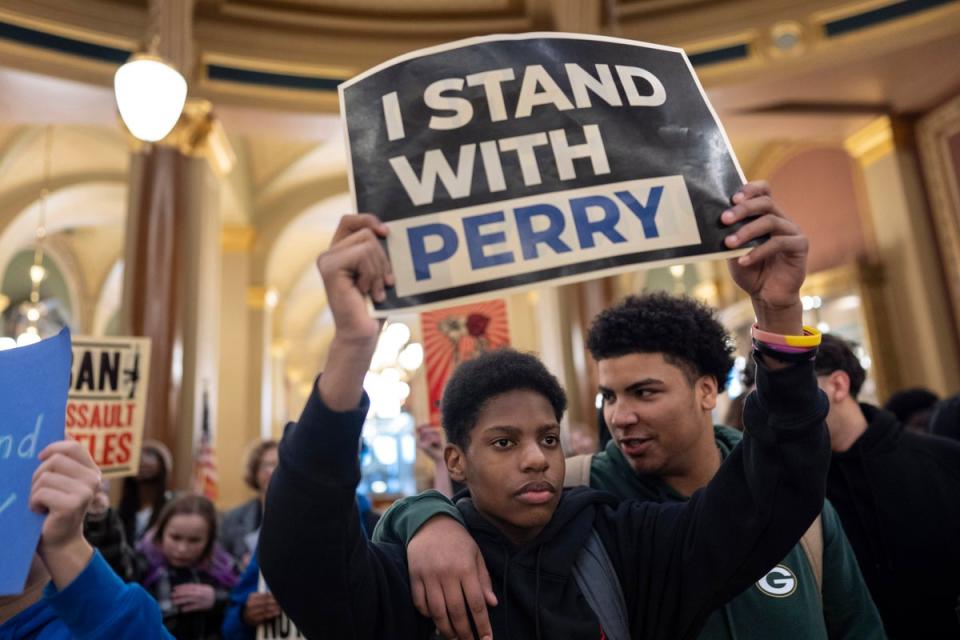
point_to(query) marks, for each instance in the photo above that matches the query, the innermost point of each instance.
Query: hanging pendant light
(150, 96)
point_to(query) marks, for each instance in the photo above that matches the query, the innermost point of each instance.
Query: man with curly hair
(662, 361)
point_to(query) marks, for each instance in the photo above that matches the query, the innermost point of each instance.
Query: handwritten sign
(108, 398)
(280, 628)
(504, 161)
(33, 397)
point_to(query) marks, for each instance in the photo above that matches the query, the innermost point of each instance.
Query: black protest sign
(505, 161)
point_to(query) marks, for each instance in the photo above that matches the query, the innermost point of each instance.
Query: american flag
(205, 476)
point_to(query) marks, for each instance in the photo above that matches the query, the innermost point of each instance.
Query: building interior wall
(800, 116)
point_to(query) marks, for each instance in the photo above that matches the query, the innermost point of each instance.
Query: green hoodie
(783, 604)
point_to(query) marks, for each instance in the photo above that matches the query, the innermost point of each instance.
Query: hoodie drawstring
(506, 594)
(876, 514)
(859, 508)
(536, 598)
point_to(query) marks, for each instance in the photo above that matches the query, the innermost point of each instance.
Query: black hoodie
(898, 496)
(676, 562)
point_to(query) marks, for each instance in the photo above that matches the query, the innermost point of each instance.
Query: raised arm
(679, 562)
(320, 567)
(695, 557)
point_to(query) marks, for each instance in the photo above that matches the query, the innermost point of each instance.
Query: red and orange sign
(453, 335)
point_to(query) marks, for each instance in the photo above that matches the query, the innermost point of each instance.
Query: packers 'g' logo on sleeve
(779, 582)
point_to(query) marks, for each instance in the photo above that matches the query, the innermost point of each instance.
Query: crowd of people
(818, 516)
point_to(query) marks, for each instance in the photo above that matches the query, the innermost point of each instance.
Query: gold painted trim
(199, 134)
(747, 37)
(391, 26)
(935, 18)
(278, 66)
(776, 154)
(847, 10)
(262, 96)
(237, 238)
(257, 297)
(799, 30)
(872, 142)
(943, 188)
(70, 31)
(56, 63)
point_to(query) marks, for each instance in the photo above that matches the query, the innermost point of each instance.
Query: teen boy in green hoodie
(662, 362)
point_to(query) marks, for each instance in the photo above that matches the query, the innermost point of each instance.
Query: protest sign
(33, 394)
(503, 161)
(108, 398)
(281, 627)
(455, 334)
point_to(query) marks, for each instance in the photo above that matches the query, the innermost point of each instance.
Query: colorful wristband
(807, 355)
(810, 339)
(785, 349)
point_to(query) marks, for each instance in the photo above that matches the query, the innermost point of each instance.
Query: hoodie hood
(882, 435)
(537, 593)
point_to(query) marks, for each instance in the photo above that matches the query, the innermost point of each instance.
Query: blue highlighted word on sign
(485, 242)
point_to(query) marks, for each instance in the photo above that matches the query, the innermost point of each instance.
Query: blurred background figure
(249, 608)
(187, 572)
(913, 408)
(748, 379)
(430, 442)
(241, 526)
(945, 419)
(104, 531)
(896, 492)
(145, 494)
(580, 441)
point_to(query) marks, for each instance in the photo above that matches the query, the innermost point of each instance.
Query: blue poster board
(33, 398)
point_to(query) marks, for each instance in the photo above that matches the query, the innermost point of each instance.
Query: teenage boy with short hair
(669, 565)
(662, 361)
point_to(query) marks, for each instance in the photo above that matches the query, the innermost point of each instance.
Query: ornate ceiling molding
(293, 53)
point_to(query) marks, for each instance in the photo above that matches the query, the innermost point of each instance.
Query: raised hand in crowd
(430, 442)
(771, 273)
(260, 608)
(63, 486)
(193, 597)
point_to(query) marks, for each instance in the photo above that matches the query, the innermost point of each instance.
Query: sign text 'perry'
(504, 161)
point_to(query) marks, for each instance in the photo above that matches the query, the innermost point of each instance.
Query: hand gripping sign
(503, 161)
(33, 397)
